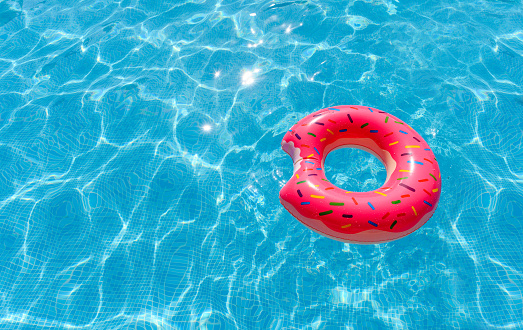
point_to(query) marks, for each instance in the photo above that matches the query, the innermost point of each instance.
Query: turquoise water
(140, 163)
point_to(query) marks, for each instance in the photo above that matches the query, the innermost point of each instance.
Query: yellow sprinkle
(411, 147)
(405, 171)
(393, 143)
(316, 196)
(413, 209)
(310, 155)
(328, 130)
(346, 226)
(348, 192)
(380, 193)
(323, 139)
(440, 174)
(297, 176)
(435, 190)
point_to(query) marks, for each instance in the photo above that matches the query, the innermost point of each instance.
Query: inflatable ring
(405, 202)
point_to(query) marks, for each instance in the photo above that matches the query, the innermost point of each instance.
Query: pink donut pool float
(403, 204)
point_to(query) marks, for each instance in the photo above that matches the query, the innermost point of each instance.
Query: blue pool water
(140, 163)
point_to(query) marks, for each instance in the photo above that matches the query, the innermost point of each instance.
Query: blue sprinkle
(319, 168)
(371, 110)
(309, 162)
(426, 149)
(290, 130)
(374, 131)
(305, 203)
(427, 203)
(343, 130)
(372, 223)
(420, 163)
(404, 132)
(371, 206)
(316, 150)
(334, 109)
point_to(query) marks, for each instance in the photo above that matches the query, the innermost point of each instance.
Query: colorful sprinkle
(428, 160)
(405, 196)
(427, 203)
(326, 212)
(323, 139)
(318, 168)
(299, 137)
(311, 134)
(380, 193)
(299, 193)
(305, 203)
(313, 174)
(408, 171)
(328, 130)
(402, 215)
(433, 176)
(318, 123)
(407, 154)
(346, 226)
(393, 224)
(350, 118)
(362, 126)
(409, 147)
(398, 122)
(297, 176)
(426, 149)
(354, 201)
(329, 188)
(336, 204)
(423, 180)
(435, 190)
(371, 206)
(347, 215)
(396, 202)
(343, 130)
(371, 110)
(403, 132)
(301, 182)
(388, 134)
(425, 190)
(393, 143)
(386, 215)
(316, 150)
(415, 138)
(309, 162)
(386, 119)
(332, 121)
(407, 187)
(415, 162)
(374, 131)
(415, 213)
(334, 109)
(403, 178)
(372, 223)
(316, 196)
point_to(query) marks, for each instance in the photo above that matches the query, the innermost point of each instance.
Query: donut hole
(354, 170)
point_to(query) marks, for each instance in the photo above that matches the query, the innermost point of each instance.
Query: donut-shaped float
(402, 205)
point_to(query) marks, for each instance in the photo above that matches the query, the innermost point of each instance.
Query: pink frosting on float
(402, 205)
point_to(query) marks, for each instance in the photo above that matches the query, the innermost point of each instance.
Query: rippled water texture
(140, 163)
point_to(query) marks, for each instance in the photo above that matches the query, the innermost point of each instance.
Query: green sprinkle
(403, 178)
(336, 204)
(325, 180)
(300, 182)
(399, 122)
(433, 176)
(396, 202)
(311, 134)
(326, 212)
(364, 125)
(386, 119)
